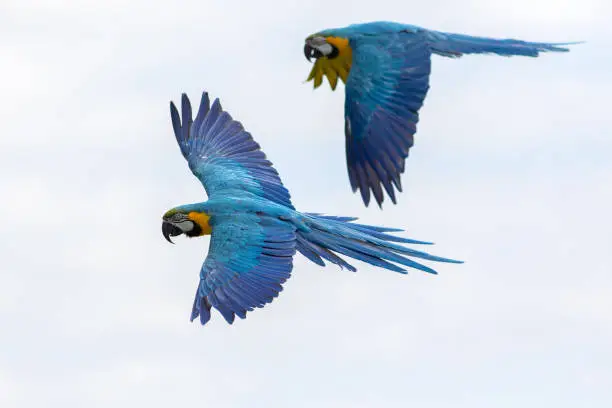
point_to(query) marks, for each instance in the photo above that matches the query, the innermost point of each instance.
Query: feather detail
(330, 235)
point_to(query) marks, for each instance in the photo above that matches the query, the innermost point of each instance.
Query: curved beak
(170, 230)
(311, 52)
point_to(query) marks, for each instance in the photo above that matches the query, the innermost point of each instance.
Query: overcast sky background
(511, 172)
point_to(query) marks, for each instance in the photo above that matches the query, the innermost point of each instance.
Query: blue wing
(249, 258)
(385, 89)
(386, 86)
(223, 155)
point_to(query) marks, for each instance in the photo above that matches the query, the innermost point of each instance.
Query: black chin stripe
(335, 52)
(196, 231)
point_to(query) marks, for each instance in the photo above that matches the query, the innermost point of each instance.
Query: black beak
(170, 230)
(310, 52)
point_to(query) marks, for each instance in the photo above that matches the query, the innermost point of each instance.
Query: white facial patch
(325, 49)
(185, 226)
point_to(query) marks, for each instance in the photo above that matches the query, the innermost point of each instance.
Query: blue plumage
(255, 229)
(216, 142)
(384, 92)
(385, 89)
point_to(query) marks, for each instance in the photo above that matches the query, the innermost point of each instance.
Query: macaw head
(333, 58)
(179, 221)
(317, 46)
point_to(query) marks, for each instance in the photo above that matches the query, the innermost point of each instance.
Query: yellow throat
(335, 67)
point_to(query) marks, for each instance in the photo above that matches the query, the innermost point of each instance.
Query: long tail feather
(330, 237)
(455, 45)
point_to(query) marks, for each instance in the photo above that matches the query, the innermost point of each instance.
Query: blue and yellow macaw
(254, 228)
(385, 67)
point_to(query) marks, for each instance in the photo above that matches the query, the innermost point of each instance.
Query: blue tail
(330, 236)
(455, 45)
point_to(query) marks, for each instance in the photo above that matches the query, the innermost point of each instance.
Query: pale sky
(511, 172)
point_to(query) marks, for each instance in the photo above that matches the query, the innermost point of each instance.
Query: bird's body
(255, 229)
(386, 68)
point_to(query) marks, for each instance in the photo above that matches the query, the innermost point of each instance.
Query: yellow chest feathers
(333, 68)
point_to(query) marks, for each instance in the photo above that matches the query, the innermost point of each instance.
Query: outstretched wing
(223, 155)
(385, 89)
(249, 258)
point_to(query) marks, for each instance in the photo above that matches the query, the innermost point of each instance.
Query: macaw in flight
(255, 230)
(385, 67)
